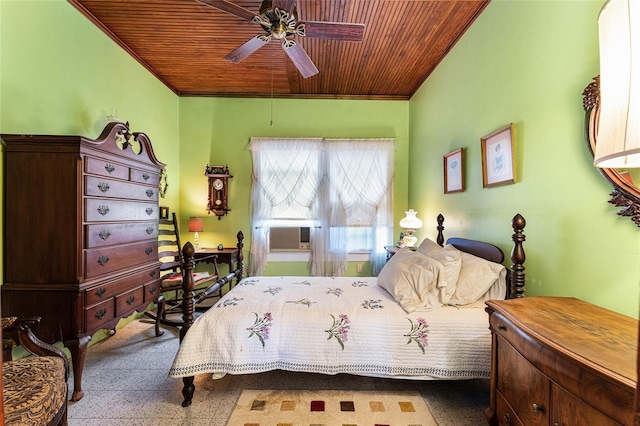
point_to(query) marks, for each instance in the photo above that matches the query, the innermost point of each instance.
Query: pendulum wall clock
(218, 189)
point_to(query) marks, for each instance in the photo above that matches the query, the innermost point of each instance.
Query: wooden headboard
(515, 275)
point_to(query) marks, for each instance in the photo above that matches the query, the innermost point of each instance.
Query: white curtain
(333, 183)
(286, 177)
(360, 194)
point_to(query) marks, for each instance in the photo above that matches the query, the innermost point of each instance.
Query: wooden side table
(226, 255)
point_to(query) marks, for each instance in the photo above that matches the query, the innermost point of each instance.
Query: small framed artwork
(453, 172)
(499, 157)
(164, 212)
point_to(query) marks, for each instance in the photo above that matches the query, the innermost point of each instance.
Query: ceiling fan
(279, 19)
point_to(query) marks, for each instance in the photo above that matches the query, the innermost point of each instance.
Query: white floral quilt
(333, 325)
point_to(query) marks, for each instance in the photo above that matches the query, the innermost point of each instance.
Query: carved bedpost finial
(187, 288)
(517, 257)
(240, 263)
(440, 228)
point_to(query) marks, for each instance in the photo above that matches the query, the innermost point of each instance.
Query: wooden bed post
(240, 262)
(188, 308)
(440, 228)
(517, 257)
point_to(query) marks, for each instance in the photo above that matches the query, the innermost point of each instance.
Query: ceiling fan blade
(332, 30)
(300, 59)
(239, 54)
(228, 7)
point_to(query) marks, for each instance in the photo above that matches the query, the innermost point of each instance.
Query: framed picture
(453, 172)
(499, 157)
(164, 212)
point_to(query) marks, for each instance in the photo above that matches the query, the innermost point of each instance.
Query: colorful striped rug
(330, 408)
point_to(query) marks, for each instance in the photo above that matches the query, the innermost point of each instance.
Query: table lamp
(196, 225)
(410, 223)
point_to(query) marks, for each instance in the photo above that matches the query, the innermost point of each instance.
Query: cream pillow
(477, 277)
(413, 280)
(451, 261)
(427, 246)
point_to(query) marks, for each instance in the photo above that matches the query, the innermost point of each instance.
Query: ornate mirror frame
(625, 195)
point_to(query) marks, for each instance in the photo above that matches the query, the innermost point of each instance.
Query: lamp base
(409, 241)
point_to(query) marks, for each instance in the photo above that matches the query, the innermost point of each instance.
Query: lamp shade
(410, 221)
(195, 224)
(618, 141)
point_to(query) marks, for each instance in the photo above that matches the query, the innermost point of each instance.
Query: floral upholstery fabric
(35, 390)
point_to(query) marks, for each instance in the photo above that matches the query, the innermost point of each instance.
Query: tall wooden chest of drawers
(80, 233)
(561, 361)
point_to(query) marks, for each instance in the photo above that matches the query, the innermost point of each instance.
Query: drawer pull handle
(536, 408)
(102, 260)
(104, 234)
(149, 211)
(149, 193)
(103, 186)
(109, 168)
(502, 327)
(153, 290)
(146, 176)
(103, 210)
(101, 313)
(507, 418)
(150, 230)
(101, 291)
(152, 274)
(148, 250)
(130, 300)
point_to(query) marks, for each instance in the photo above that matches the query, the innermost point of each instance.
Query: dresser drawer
(144, 176)
(129, 301)
(101, 167)
(151, 291)
(99, 187)
(526, 387)
(98, 315)
(104, 210)
(105, 260)
(504, 413)
(105, 234)
(109, 290)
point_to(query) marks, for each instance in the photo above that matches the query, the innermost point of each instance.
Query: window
(342, 189)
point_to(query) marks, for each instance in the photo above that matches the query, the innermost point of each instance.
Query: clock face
(217, 184)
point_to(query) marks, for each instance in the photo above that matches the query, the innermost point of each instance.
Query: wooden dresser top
(602, 339)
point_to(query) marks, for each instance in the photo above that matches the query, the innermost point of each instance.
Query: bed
(410, 322)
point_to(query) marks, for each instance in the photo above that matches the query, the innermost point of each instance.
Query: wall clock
(218, 190)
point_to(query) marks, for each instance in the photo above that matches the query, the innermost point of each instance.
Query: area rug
(330, 408)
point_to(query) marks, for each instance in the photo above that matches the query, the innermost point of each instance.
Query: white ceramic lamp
(410, 223)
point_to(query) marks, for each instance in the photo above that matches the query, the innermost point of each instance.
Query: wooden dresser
(80, 233)
(561, 361)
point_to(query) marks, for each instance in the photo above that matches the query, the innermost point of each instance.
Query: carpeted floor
(125, 383)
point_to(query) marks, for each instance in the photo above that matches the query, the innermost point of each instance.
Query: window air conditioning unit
(289, 239)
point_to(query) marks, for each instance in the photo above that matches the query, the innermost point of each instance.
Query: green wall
(527, 62)
(217, 131)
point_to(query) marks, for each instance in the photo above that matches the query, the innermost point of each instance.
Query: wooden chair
(34, 388)
(170, 255)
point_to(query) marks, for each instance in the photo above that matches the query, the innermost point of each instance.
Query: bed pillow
(451, 261)
(427, 246)
(413, 280)
(477, 277)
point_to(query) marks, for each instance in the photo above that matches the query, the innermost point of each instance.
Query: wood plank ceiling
(183, 42)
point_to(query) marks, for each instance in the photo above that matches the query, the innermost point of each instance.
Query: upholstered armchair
(34, 388)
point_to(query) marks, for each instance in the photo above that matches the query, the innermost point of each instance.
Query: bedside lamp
(619, 126)
(196, 225)
(410, 223)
